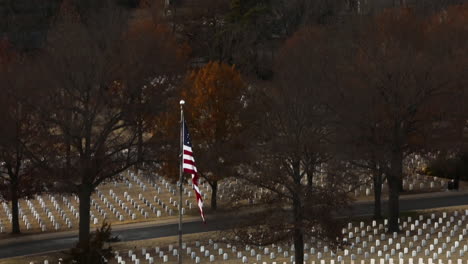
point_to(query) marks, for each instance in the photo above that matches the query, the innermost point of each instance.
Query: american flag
(189, 167)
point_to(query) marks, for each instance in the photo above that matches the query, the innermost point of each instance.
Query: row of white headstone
(104, 207)
(151, 260)
(440, 239)
(110, 204)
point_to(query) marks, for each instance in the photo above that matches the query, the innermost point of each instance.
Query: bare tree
(292, 138)
(359, 140)
(20, 132)
(199, 23)
(90, 104)
(448, 40)
(397, 77)
(151, 71)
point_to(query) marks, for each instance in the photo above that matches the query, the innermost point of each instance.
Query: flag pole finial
(182, 102)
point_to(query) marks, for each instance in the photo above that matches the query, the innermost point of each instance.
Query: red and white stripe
(189, 167)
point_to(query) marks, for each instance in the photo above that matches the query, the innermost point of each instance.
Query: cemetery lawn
(165, 243)
(53, 257)
(138, 199)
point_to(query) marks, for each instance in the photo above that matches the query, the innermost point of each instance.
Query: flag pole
(181, 172)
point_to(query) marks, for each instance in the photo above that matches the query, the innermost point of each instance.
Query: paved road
(24, 247)
(416, 202)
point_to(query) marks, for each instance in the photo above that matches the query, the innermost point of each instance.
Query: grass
(190, 239)
(52, 257)
(119, 188)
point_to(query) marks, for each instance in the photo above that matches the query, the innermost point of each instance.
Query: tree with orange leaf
(215, 100)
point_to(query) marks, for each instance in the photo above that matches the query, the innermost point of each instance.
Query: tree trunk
(214, 195)
(394, 190)
(14, 208)
(377, 195)
(393, 204)
(140, 141)
(85, 198)
(400, 183)
(298, 236)
(456, 181)
(298, 217)
(67, 152)
(310, 179)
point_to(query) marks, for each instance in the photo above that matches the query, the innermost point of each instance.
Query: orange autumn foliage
(213, 99)
(215, 96)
